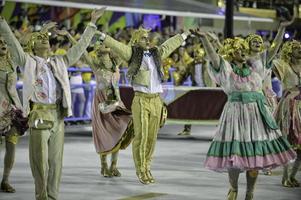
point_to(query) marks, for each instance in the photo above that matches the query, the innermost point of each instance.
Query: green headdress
(231, 45)
(34, 37)
(287, 50)
(137, 34)
(252, 36)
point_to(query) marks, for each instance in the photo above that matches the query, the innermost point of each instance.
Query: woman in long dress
(288, 112)
(111, 122)
(112, 126)
(248, 138)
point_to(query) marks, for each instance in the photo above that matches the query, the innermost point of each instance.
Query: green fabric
(12, 136)
(259, 98)
(248, 149)
(8, 10)
(242, 72)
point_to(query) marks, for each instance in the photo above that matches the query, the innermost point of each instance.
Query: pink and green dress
(247, 136)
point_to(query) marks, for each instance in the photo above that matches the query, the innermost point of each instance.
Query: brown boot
(286, 183)
(114, 171)
(249, 196)
(6, 187)
(105, 170)
(294, 182)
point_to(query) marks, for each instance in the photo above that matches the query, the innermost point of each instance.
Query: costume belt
(41, 106)
(255, 97)
(147, 95)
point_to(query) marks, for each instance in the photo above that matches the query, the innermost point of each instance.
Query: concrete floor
(177, 167)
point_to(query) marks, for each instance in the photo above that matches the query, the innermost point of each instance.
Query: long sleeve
(76, 51)
(122, 50)
(15, 49)
(170, 45)
(211, 53)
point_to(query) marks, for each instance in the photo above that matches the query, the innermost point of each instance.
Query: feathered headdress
(252, 36)
(287, 50)
(231, 45)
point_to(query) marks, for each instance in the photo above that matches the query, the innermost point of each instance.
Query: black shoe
(6, 187)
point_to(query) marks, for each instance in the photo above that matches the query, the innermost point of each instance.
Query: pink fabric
(247, 163)
(287, 115)
(107, 129)
(239, 78)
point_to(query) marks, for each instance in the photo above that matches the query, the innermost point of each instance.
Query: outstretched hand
(213, 36)
(96, 14)
(48, 26)
(289, 22)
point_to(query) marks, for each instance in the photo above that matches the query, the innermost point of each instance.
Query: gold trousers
(146, 111)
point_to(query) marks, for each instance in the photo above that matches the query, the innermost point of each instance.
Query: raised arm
(15, 49)
(73, 41)
(76, 51)
(214, 40)
(172, 44)
(272, 51)
(120, 49)
(209, 49)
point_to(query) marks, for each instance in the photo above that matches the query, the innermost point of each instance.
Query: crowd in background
(178, 68)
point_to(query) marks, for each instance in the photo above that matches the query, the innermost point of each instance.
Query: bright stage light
(286, 35)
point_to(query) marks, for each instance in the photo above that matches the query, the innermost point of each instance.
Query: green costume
(46, 114)
(8, 100)
(146, 106)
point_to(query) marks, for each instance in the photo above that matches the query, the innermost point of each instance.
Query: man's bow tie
(147, 54)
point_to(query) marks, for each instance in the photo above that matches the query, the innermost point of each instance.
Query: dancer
(12, 123)
(248, 137)
(260, 56)
(288, 112)
(112, 126)
(146, 76)
(111, 121)
(47, 100)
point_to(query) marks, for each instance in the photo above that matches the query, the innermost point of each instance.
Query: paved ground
(177, 167)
